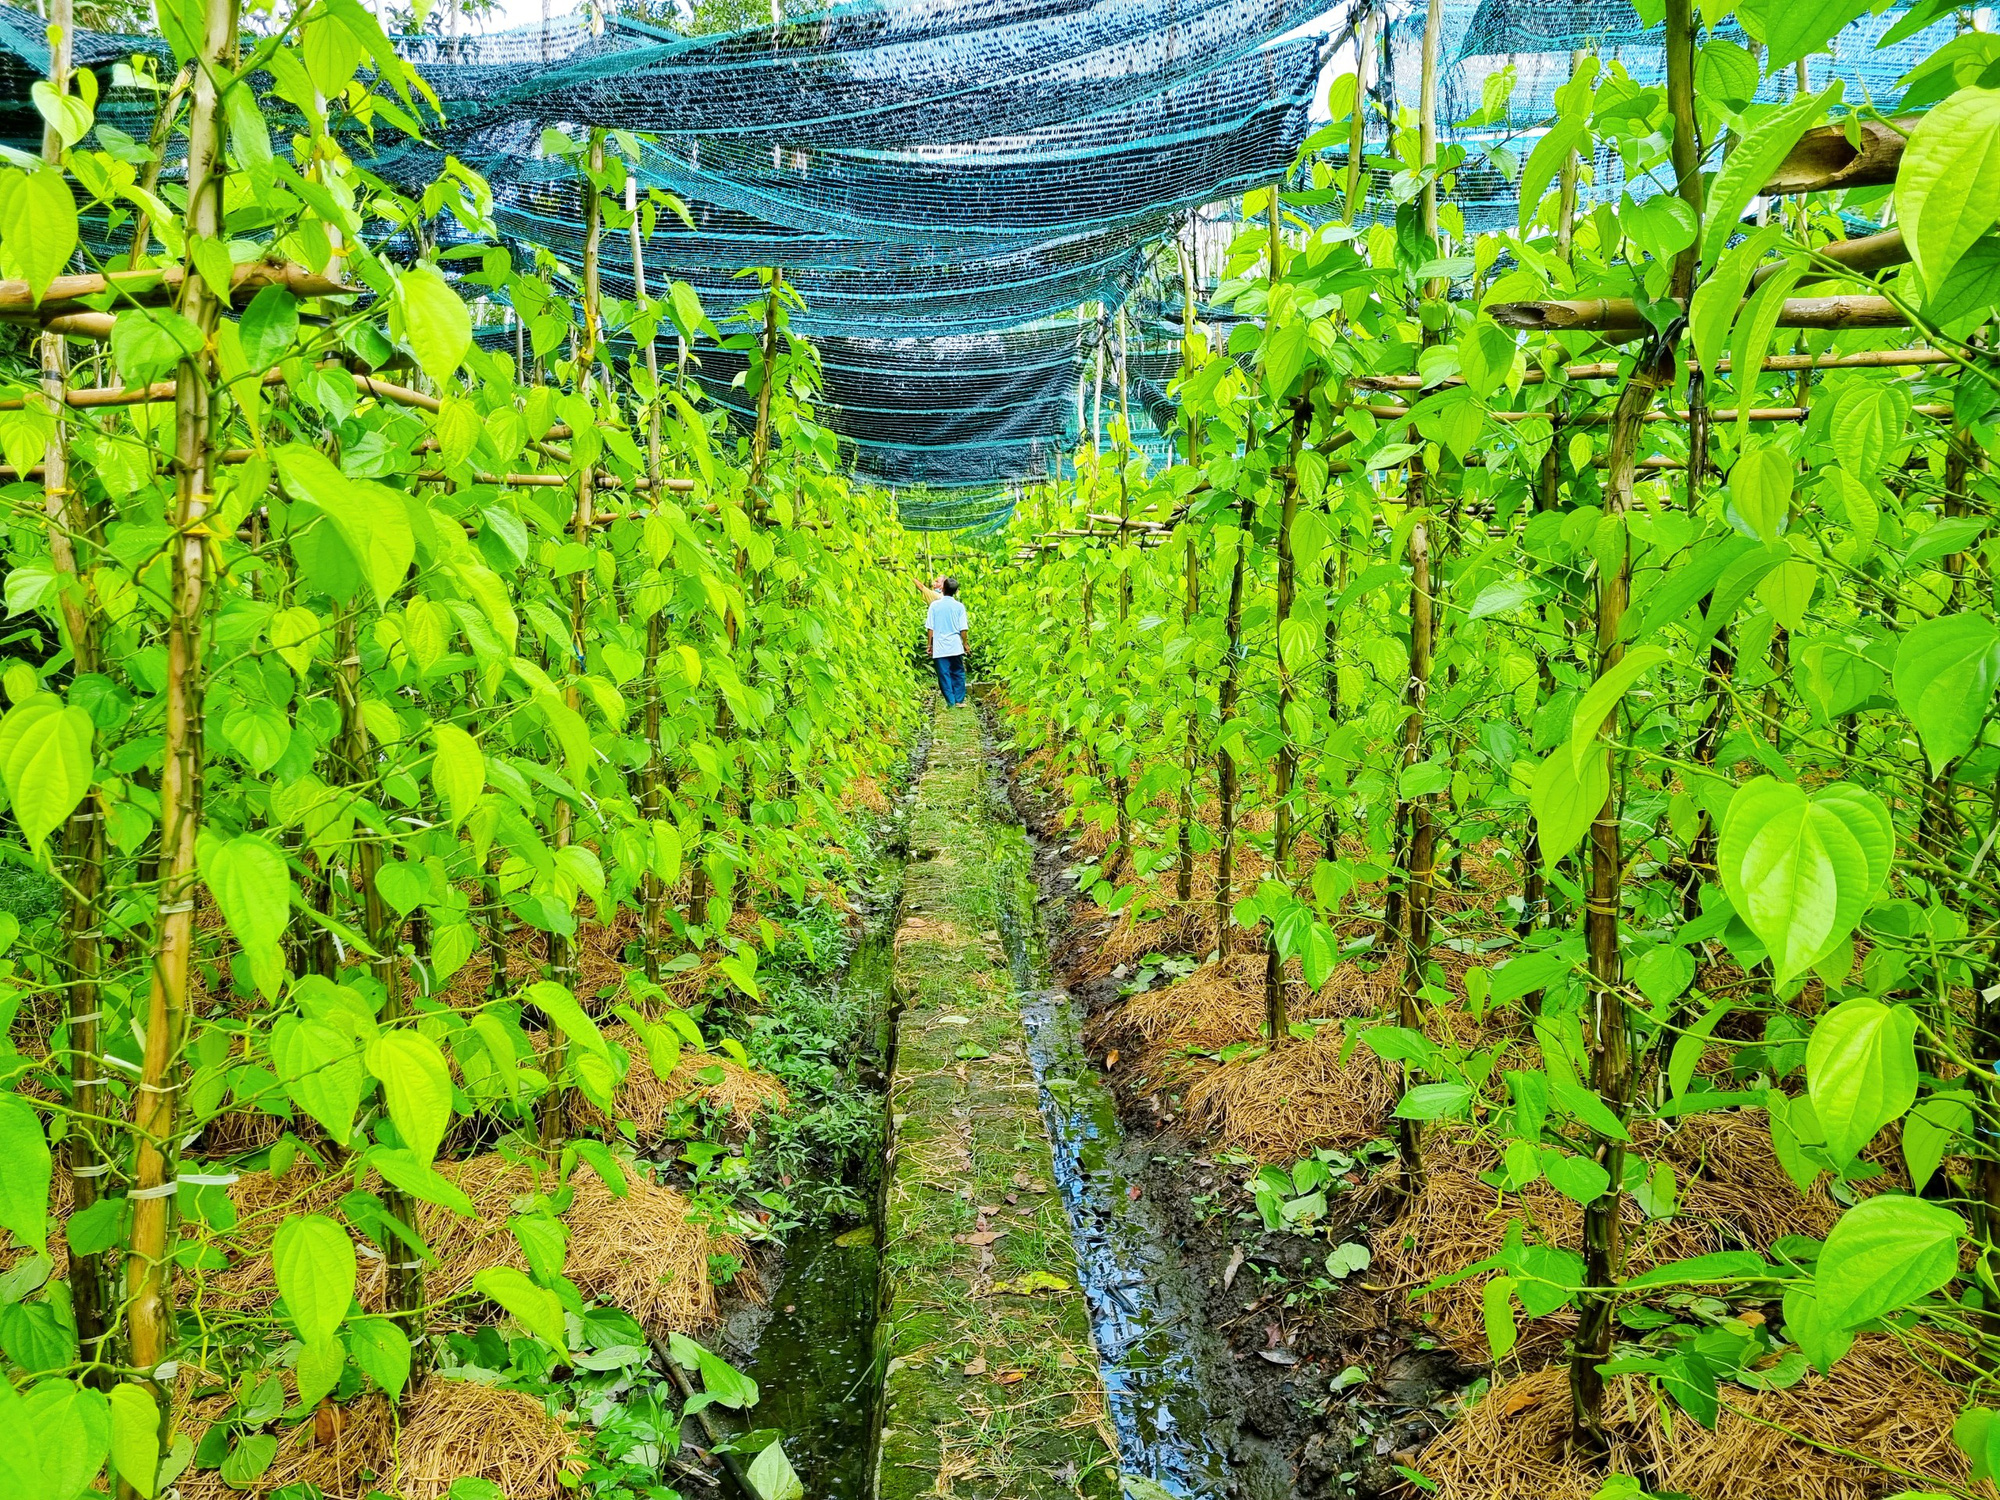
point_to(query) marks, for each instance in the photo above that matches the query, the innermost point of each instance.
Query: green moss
(989, 1393)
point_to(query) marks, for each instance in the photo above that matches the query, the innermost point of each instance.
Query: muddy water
(1163, 1368)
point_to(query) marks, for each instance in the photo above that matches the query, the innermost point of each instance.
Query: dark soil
(1295, 1374)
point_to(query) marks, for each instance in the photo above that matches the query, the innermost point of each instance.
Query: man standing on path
(947, 626)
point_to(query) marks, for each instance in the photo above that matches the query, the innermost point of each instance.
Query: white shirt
(947, 622)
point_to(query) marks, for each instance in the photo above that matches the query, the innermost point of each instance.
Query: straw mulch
(456, 1428)
(642, 1252)
(451, 1428)
(864, 793)
(740, 1095)
(1282, 1103)
(1879, 1402)
(344, 1452)
(1731, 1193)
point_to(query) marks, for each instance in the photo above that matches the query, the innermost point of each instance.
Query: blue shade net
(944, 181)
(939, 182)
(1534, 43)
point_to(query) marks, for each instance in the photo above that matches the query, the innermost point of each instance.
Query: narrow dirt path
(992, 1386)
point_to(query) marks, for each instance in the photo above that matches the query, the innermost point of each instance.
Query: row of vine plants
(1626, 566)
(350, 644)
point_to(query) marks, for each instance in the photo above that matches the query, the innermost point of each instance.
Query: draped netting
(946, 181)
(943, 181)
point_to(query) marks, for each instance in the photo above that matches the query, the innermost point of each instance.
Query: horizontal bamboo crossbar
(1825, 159)
(1609, 369)
(1622, 315)
(65, 296)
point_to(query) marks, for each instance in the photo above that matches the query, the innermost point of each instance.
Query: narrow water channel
(816, 1359)
(1162, 1365)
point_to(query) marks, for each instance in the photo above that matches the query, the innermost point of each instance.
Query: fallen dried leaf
(1010, 1377)
(1235, 1264)
(1279, 1356)
(1518, 1399)
(1111, 1058)
(976, 1365)
(985, 1237)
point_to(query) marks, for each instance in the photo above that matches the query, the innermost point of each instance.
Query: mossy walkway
(992, 1385)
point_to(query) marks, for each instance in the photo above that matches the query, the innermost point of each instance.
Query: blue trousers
(951, 678)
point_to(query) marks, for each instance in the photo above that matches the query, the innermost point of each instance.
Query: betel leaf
(420, 1180)
(1938, 1127)
(253, 888)
(1562, 138)
(56, 1436)
(1885, 1253)
(1861, 1071)
(370, 520)
(1603, 696)
(1713, 308)
(149, 344)
(1795, 28)
(321, 1071)
(1749, 165)
(772, 1477)
(381, 1351)
(1750, 340)
(536, 1308)
(1867, 425)
(1704, 1270)
(1796, 869)
(723, 1383)
(313, 1261)
(1588, 1108)
(437, 325)
(1486, 356)
(269, 328)
(40, 233)
(1760, 485)
(417, 1086)
(1431, 1101)
(45, 762)
(135, 1437)
(1948, 184)
(458, 772)
(1977, 1433)
(1944, 678)
(1565, 798)
(24, 1185)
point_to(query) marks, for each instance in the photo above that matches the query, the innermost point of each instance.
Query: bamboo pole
(148, 1289)
(1666, 414)
(1825, 160)
(71, 523)
(1190, 607)
(760, 444)
(1622, 315)
(1275, 1020)
(1865, 359)
(653, 791)
(1122, 453)
(1868, 252)
(562, 950)
(1611, 1060)
(1357, 130)
(1566, 184)
(65, 295)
